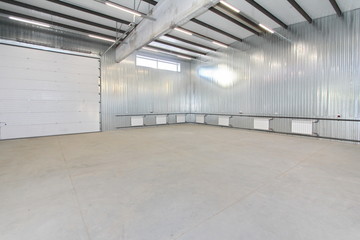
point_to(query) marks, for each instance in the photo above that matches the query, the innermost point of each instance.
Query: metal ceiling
(219, 27)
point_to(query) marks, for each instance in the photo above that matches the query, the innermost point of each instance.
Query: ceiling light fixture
(219, 44)
(102, 38)
(150, 49)
(201, 36)
(29, 21)
(123, 9)
(230, 6)
(183, 31)
(266, 28)
(180, 56)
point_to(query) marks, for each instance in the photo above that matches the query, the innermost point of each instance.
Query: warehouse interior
(179, 120)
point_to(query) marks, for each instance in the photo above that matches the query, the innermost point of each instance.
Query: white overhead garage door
(47, 93)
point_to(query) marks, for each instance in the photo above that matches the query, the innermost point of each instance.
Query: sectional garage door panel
(46, 93)
(32, 74)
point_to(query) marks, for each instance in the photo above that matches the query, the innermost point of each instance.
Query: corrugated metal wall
(128, 89)
(312, 71)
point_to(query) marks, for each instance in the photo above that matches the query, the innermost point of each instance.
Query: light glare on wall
(257, 58)
(221, 75)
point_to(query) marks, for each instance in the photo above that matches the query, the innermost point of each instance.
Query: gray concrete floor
(186, 182)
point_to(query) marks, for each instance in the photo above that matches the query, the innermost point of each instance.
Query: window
(168, 66)
(143, 61)
(146, 62)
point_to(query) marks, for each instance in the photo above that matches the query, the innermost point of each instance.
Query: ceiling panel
(170, 48)
(139, 5)
(70, 12)
(207, 32)
(283, 10)
(316, 9)
(254, 14)
(98, 6)
(182, 44)
(346, 5)
(48, 17)
(223, 24)
(89, 4)
(194, 39)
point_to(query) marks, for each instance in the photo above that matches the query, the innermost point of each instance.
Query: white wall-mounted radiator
(180, 118)
(200, 119)
(137, 121)
(224, 121)
(162, 119)
(302, 126)
(262, 123)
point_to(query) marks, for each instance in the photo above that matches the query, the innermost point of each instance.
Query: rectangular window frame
(159, 64)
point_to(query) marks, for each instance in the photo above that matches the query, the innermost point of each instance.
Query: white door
(46, 93)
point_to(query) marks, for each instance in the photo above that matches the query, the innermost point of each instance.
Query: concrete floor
(186, 182)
